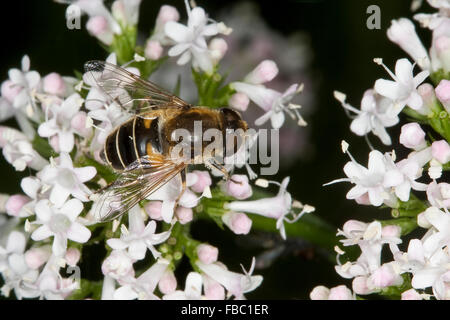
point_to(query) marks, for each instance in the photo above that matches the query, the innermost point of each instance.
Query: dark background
(343, 50)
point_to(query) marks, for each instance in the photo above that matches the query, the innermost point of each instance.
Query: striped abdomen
(133, 140)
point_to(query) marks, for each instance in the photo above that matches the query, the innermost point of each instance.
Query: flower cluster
(63, 125)
(415, 187)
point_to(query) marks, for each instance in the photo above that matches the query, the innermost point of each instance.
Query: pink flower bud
(54, 143)
(239, 101)
(383, 277)
(340, 293)
(264, 72)
(54, 84)
(411, 294)
(207, 254)
(72, 257)
(443, 93)
(391, 231)
(359, 285)
(167, 13)
(79, 124)
(184, 215)
(153, 50)
(218, 47)
(15, 203)
(426, 91)
(203, 181)
(153, 209)
(319, 293)
(168, 283)
(442, 46)
(36, 257)
(441, 151)
(9, 90)
(214, 290)
(363, 200)
(412, 136)
(241, 190)
(97, 25)
(238, 222)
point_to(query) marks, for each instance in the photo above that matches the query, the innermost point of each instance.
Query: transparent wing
(137, 182)
(129, 91)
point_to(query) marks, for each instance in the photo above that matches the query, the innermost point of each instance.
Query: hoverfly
(139, 150)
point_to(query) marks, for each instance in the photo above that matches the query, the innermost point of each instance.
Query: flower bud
(319, 293)
(167, 13)
(264, 72)
(411, 294)
(168, 283)
(188, 199)
(391, 231)
(443, 94)
(153, 209)
(203, 181)
(241, 190)
(403, 33)
(9, 90)
(363, 200)
(422, 221)
(213, 289)
(238, 222)
(426, 91)
(340, 293)
(383, 277)
(359, 285)
(54, 84)
(412, 136)
(72, 257)
(36, 257)
(184, 215)
(353, 225)
(442, 48)
(207, 254)
(218, 47)
(54, 143)
(78, 122)
(239, 101)
(15, 203)
(153, 50)
(441, 151)
(98, 26)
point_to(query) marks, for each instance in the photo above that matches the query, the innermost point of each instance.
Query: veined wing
(137, 182)
(134, 94)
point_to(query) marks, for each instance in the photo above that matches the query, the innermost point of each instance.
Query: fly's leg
(183, 185)
(212, 162)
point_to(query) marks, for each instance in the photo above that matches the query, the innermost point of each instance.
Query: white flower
(439, 194)
(18, 151)
(126, 11)
(17, 275)
(274, 103)
(192, 289)
(61, 223)
(236, 283)
(367, 180)
(401, 177)
(27, 81)
(403, 90)
(118, 265)
(139, 237)
(191, 39)
(278, 207)
(142, 287)
(403, 33)
(51, 285)
(374, 115)
(59, 122)
(66, 180)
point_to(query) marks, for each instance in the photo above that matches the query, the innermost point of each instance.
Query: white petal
(59, 245)
(72, 208)
(277, 120)
(137, 250)
(387, 88)
(404, 70)
(85, 174)
(78, 233)
(176, 31)
(117, 244)
(125, 293)
(41, 233)
(16, 242)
